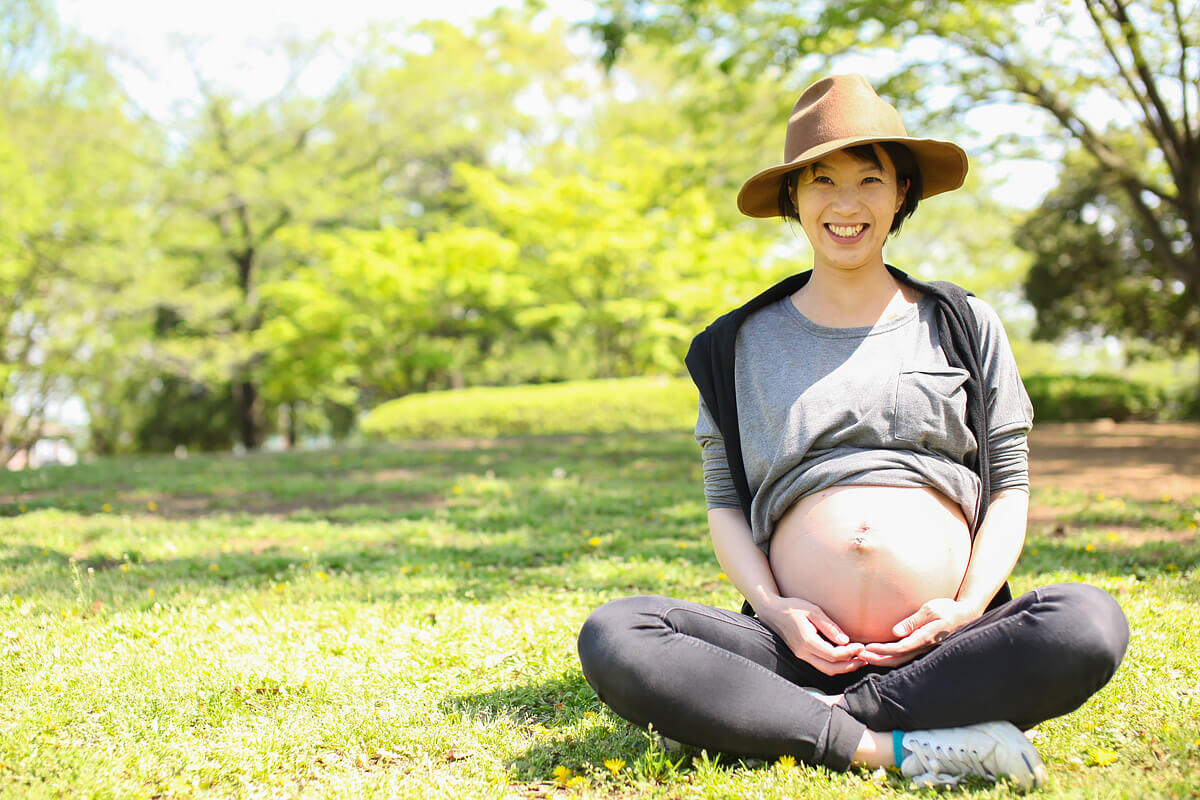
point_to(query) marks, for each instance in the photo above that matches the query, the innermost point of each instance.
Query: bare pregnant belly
(871, 555)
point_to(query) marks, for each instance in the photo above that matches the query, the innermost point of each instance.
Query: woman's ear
(902, 194)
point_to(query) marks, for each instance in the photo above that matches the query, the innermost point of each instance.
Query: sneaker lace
(949, 760)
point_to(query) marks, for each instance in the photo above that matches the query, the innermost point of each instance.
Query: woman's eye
(822, 179)
(872, 179)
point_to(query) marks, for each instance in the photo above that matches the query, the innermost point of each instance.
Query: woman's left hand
(920, 632)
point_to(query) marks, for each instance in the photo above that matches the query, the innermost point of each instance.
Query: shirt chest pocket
(931, 409)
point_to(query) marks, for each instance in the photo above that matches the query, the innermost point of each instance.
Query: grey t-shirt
(877, 405)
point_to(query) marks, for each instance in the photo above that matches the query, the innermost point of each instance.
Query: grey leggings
(724, 681)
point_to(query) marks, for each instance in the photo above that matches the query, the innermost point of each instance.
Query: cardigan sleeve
(719, 491)
(1010, 413)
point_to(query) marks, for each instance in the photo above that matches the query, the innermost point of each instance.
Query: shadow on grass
(551, 703)
(572, 729)
(483, 565)
(1151, 559)
(320, 484)
(486, 571)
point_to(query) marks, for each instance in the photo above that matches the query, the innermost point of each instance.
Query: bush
(1082, 397)
(598, 406)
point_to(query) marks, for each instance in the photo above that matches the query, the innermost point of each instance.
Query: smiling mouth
(845, 231)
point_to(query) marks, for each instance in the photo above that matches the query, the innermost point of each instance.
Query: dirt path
(1134, 460)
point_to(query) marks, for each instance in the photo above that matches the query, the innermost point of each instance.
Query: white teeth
(847, 231)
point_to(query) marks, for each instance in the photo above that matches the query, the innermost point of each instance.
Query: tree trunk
(249, 413)
(290, 410)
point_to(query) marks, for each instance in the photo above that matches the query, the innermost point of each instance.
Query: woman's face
(846, 208)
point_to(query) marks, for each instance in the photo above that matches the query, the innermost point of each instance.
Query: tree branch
(1152, 125)
(281, 219)
(1154, 228)
(1028, 85)
(1133, 39)
(1184, 83)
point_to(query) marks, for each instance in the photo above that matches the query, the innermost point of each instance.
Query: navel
(860, 542)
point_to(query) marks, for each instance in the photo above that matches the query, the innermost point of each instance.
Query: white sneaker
(991, 750)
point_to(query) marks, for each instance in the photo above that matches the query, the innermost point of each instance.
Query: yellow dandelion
(404, 570)
(278, 588)
(106, 508)
(787, 762)
(1171, 567)
(589, 714)
(562, 774)
(1091, 548)
(150, 591)
(227, 548)
(125, 567)
(457, 489)
(152, 506)
(614, 765)
(1166, 498)
(321, 575)
(1100, 496)
(1034, 551)
(21, 508)
(594, 541)
(683, 545)
(213, 568)
(1112, 536)
(1101, 757)
(578, 780)
(721, 576)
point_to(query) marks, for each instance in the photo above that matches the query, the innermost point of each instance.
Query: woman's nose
(846, 198)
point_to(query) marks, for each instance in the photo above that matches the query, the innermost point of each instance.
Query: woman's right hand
(812, 635)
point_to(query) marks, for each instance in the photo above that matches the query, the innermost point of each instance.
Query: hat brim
(943, 168)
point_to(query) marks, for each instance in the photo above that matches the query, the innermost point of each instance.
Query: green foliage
(1096, 266)
(599, 406)
(75, 213)
(1080, 397)
(374, 151)
(606, 270)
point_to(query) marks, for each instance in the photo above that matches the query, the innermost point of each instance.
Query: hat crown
(837, 108)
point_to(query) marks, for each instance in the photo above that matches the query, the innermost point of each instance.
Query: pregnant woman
(863, 437)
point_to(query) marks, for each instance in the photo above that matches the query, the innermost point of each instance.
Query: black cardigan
(710, 361)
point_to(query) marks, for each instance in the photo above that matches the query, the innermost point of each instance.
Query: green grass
(399, 621)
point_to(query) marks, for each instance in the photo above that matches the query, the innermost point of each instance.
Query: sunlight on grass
(400, 622)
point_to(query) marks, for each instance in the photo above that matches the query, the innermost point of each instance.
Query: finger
(918, 642)
(828, 628)
(912, 622)
(887, 661)
(819, 646)
(834, 667)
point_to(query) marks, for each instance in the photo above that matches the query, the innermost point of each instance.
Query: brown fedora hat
(840, 112)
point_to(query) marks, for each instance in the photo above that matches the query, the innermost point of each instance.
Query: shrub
(597, 406)
(1081, 397)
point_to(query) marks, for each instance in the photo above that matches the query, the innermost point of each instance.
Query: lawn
(399, 621)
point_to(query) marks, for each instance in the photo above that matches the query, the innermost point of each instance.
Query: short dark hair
(901, 158)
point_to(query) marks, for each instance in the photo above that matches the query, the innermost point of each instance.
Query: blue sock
(898, 747)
